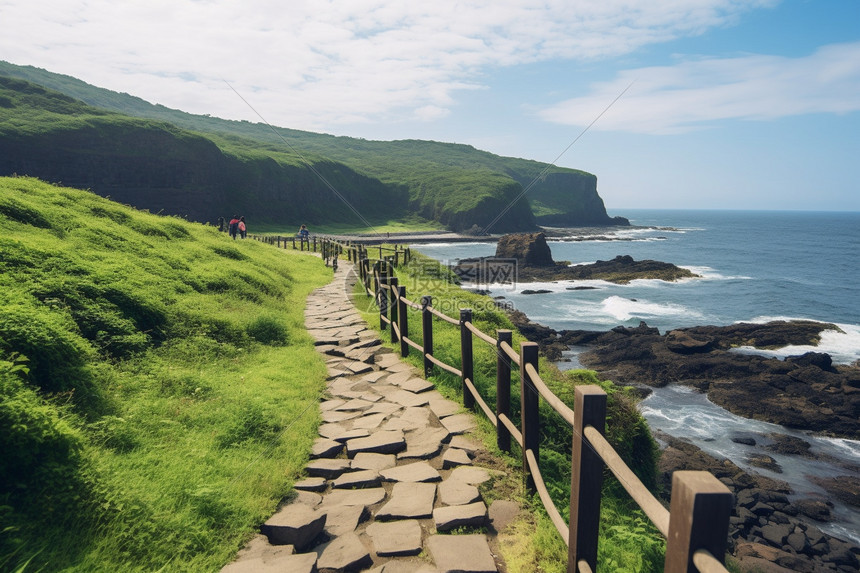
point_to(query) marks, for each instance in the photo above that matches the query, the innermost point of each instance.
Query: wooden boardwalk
(393, 473)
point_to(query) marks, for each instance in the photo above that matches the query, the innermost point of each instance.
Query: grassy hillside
(561, 197)
(158, 166)
(157, 388)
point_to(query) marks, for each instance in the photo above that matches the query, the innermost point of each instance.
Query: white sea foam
(843, 347)
(626, 309)
(708, 273)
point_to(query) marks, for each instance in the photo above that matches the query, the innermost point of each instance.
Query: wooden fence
(695, 525)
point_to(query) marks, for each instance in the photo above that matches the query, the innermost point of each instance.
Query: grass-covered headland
(158, 390)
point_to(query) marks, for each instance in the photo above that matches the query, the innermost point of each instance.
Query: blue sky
(729, 104)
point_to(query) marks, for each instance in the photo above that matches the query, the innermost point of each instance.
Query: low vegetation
(158, 389)
(628, 541)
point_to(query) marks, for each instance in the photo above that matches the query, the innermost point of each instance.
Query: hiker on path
(243, 232)
(303, 236)
(234, 226)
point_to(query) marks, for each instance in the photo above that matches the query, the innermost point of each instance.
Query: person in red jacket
(243, 231)
(234, 226)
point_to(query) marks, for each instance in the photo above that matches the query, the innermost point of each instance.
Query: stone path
(391, 473)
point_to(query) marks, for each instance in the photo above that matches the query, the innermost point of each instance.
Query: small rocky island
(534, 262)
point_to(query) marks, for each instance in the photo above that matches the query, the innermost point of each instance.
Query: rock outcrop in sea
(534, 262)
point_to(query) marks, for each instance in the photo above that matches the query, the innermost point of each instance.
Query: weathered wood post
(403, 320)
(382, 296)
(586, 478)
(467, 363)
(393, 289)
(699, 519)
(503, 389)
(427, 333)
(529, 415)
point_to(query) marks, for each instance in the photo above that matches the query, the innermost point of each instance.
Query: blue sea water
(755, 266)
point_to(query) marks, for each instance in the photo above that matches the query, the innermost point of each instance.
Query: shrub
(269, 330)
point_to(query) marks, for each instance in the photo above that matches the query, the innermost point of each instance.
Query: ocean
(755, 266)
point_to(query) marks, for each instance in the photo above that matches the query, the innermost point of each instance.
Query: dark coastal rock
(794, 394)
(789, 445)
(745, 440)
(534, 262)
(764, 461)
(538, 291)
(530, 249)
(844, 488)
(766, 531)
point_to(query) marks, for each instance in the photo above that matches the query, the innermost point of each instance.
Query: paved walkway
(391, 477)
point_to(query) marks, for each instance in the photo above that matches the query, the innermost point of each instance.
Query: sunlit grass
(160, 392)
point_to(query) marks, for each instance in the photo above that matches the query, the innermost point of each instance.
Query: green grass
(628, 541)
(158, 388)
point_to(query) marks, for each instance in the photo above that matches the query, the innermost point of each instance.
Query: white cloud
(694, 93)
(317, 63)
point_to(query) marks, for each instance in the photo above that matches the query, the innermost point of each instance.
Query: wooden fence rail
(695, 525)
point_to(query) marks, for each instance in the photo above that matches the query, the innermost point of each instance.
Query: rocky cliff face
(570, 200)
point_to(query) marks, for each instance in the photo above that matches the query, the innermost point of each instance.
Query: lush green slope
(158, 390)
(155, 165)
(429, 172)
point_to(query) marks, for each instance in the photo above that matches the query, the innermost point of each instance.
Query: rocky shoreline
(768, 532)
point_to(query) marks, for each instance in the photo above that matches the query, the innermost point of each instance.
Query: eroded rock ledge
(535, 263)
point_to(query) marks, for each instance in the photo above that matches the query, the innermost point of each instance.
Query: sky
(712, 104)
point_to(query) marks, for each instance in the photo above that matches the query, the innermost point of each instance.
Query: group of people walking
(237, 227)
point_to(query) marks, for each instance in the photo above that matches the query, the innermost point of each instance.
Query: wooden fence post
(393, 307)
(427, 333)
(503, 389)
(529, 415)
(586, 477)
(382, 296)
(403, 320)
(467, 365)
(699, 519)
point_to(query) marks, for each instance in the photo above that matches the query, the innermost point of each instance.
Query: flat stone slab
(453, 516)
(470, 474)
(461, 554)
(384, 408)
(344, 519)
(459, 423)
(404, 566)
(369, 422)
(327, 468)
(454, 457)
(416, 385)
(424, 443)
(311, 484)
(408, 420)
(326, 448)
(414, 472)
(502, 512)
(396, 538)
(362, 497)
(356, 404)
(468, 445)
(334, 416)
(409, 501)
(331, 404)
(443, 407)
(344, 552)
(368, 461)
(407, 399)
(300, 563)
(456, 492)
(382, 442)
(294, 524)
(357, 479)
